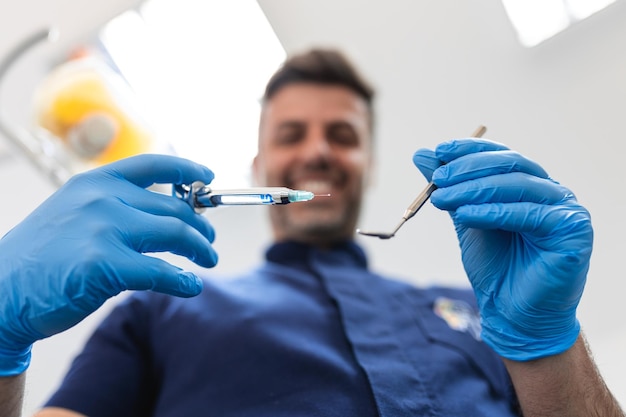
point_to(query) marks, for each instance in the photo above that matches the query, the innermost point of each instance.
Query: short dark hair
(321, 66)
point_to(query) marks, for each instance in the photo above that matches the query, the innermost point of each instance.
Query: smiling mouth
(316, 186)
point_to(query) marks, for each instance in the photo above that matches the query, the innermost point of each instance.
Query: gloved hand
(525, 243)
(84, 244)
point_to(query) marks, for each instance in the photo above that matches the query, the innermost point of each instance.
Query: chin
(316, 225)
(320, 231)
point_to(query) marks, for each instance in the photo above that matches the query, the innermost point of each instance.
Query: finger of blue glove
(484, 164)
(158, 275)
(504, 188)
(167, 205)
(426, 161)
(456, 148)
(150, 233)
(568, 219)
(145, 170)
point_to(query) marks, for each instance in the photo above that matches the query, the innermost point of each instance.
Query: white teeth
(316, 186)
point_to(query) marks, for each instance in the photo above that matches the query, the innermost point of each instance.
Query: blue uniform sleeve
(114, 374)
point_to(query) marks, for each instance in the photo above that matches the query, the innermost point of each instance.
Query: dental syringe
(200, 196)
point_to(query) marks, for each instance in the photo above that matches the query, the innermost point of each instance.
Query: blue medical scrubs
(309, 333)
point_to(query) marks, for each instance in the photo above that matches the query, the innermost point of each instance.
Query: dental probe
(200, 196)
(417, 203)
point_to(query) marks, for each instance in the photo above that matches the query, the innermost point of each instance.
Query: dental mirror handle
(425, 194)
(418, 202)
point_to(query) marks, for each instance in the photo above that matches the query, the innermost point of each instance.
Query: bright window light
(199, 68)
(538, 20)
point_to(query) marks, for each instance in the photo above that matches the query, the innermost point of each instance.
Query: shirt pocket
(452, 322)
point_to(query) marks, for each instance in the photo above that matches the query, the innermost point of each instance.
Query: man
(311, 331)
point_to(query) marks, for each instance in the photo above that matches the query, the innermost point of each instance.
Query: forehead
(316, 102)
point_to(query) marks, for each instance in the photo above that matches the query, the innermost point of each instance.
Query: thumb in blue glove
(525, 242)
(85, 244)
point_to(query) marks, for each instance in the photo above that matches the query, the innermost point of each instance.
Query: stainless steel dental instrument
(417, 203)
(200, 196)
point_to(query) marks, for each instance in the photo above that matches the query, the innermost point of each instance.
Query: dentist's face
(315, 137)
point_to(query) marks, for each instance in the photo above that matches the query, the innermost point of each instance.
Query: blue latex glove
(525, 243)
(84, 244)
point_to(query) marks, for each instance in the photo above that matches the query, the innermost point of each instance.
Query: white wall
(441, 67)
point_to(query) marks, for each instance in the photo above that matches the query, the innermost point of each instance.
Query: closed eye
(290, 133)
(343, 134)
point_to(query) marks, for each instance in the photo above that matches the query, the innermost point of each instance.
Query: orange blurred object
(93, 111)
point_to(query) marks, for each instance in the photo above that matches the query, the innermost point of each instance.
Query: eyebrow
(290, 124)
(297, 124)
(341, 123)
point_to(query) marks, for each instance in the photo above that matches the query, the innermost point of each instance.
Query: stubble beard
(320, 226)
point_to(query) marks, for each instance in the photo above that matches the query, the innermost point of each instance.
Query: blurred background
(85, 83)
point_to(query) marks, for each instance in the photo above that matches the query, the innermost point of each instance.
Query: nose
(316, 145)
